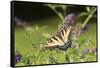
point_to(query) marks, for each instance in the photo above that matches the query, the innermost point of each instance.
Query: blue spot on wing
(65, 46)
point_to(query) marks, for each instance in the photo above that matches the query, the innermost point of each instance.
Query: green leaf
(81, 14)
(88, 9)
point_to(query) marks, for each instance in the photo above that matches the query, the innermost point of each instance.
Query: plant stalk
(57, 13)
(88, 18)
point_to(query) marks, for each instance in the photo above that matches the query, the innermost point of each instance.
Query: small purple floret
(17, 58)
(85, 51)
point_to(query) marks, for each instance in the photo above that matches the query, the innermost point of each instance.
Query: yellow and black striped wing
(65, 33)
(59, 39)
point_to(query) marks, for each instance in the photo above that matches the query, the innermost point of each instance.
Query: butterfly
(62, 38)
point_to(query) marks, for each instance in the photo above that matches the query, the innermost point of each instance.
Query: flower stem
(56, 12)
(89, 17)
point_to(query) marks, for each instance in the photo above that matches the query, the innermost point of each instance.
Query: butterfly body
(62, 39)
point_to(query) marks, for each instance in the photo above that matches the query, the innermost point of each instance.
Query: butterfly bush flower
(17, 58)
(85, 28)
(84, 52)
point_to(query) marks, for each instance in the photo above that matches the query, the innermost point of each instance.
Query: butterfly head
(70, 19)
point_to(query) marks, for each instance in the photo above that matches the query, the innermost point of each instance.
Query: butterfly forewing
(53, 42)
(66, 35)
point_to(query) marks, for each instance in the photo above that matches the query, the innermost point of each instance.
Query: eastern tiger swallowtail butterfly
(62, 38)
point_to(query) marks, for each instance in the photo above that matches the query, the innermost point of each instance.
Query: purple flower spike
(85, 28)
(85, 51)
(17, 58)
